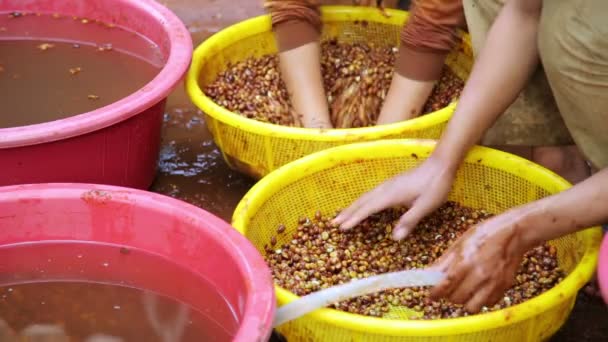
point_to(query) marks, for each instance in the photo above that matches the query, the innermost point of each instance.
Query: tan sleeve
(428, 36)
(295, 22)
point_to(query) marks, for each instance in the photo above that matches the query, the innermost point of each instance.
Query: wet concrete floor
(192, 169)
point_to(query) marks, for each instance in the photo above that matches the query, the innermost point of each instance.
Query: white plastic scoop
(355, 288)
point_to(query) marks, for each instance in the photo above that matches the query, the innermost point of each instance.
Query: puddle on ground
(191, 167)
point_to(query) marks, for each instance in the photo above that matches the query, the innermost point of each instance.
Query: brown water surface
(55, 67)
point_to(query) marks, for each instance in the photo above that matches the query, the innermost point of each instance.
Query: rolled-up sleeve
(295, 22)
(428, 36)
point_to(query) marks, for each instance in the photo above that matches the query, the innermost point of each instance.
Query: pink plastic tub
(117, 144)
(184, 234)
(602, 269)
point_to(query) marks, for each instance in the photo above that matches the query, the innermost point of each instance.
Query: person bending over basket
(531, 126)
(568, 37)
(427, 38)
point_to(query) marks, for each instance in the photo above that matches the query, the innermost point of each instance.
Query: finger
(368, 208)
(351, 209)
(377, 192)
(467, 288)
(444, 261)
(369, 203)
(483, 297)
(347, 213)
(423, 206)
(495, 296)
(449, 283)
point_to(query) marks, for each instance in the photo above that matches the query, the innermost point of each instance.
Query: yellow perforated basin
(256, 148)
(488, 179)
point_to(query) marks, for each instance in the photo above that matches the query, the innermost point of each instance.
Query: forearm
(405, 99)
(506, 62)
(426, 39)
(295, 22)
(297, 27)
(582, 206)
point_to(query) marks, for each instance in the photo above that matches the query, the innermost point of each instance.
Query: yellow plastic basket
(488, 179)
(256, 148)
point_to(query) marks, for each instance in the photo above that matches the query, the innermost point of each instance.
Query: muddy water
(83, 310)
(72, 294)
(191, 167)
(53, 67)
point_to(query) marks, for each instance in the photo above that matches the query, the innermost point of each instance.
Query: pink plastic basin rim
(261, 303)
(159, 88)
(602, 269)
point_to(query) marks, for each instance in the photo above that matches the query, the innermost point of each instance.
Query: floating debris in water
(93, 97)
(45, 46)
(105, 47)
(75, 70)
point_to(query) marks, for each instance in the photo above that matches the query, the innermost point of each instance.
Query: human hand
(481, 265)
(422, 190)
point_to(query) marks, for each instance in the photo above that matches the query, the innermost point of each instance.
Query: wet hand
(422, 190)
(482, 264)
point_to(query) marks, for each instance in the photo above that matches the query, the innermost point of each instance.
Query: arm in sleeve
(428, 36)
(295, 22)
